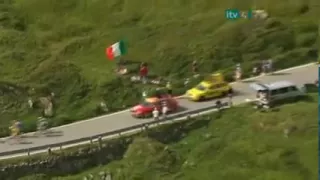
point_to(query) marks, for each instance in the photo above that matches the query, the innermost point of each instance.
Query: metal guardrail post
(49, 151)
(100, 142)
(28, 152)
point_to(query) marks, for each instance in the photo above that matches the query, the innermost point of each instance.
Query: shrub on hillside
(64, 80)
(290, 58)
(307, 39)
(36, 177)
(120, 93)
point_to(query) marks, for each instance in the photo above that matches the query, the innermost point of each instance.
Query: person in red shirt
(144, 72)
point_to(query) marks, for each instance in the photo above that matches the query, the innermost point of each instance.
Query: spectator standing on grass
(256, 70)
(195, 67)
(144, 94)
(155, 114)
(238, 72)
(270, 66)
(165, 110)
(169, 87)
(264, 66)
(144, 72)
(30, 103)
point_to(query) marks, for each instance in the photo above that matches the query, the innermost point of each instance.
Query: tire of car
(201, 98)
(224, 93)
(230, 91)
(147, 116)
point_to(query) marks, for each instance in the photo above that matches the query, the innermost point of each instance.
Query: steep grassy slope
(58, 46)
(240, 143)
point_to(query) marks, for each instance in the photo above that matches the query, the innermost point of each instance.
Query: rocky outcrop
(67, 163)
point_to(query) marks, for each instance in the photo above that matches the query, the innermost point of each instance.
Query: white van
(268, 94)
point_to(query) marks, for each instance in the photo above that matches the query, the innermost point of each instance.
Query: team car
(145, 108)
(211, 87)
(270, 94)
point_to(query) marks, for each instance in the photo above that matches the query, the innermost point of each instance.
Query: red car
(144, 109)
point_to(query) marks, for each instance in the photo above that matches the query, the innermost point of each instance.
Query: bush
(36, 177)
(307, 40)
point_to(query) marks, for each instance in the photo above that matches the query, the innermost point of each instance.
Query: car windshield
(201, 87)
(144, 103)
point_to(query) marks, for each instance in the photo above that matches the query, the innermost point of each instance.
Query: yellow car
(211, 87)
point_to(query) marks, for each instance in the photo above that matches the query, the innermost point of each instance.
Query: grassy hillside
(240, 143)
(58, 46)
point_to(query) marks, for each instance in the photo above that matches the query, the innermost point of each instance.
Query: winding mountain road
(303, 74)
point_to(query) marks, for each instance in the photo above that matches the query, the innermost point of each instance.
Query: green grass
(233, 145)
(58, 46)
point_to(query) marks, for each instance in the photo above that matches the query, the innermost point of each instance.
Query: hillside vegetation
(240, 143)
(58, 46)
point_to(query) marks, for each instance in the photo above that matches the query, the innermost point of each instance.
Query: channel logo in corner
(234, 14)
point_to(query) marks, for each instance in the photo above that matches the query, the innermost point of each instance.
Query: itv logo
(232, 14)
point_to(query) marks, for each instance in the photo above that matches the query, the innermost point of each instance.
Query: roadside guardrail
(127, 130)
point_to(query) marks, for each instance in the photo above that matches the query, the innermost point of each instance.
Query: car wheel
(224, 93)
(201, 98)
(146, 116)
(174, 109)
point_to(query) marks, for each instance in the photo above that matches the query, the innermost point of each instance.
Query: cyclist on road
(42, 125)
(15, 130)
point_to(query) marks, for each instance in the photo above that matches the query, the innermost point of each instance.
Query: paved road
(111, 122)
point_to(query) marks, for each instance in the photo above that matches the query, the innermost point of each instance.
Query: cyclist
(42, 125)
(15, 130)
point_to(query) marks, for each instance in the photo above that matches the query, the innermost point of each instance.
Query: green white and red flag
(116, 50)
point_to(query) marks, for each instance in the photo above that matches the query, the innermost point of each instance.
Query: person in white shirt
(155, 114)
(270, 66)
(144, 94)
(165, 110)
(238, 72)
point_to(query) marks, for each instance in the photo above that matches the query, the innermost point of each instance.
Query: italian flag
(115, 50)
